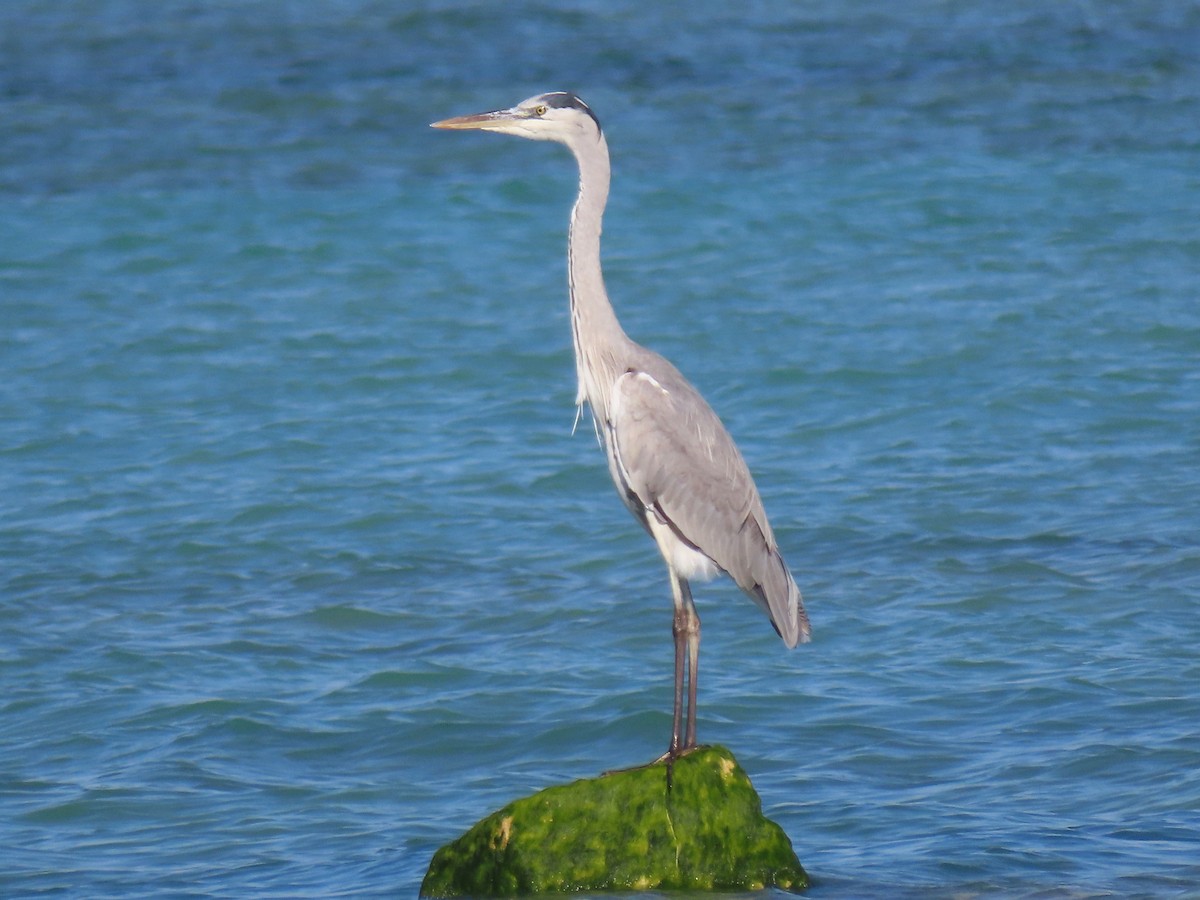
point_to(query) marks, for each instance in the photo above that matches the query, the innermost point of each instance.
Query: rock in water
(625, 831)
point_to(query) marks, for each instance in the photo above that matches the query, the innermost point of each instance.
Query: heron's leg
(686, 629)
(679, 630)
(692, 631)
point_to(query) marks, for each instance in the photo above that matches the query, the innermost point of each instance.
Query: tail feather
(780, 599)
(800, 631)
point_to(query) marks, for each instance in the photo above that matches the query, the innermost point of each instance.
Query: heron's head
(558, 116)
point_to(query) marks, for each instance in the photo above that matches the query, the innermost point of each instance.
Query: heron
(671, 459)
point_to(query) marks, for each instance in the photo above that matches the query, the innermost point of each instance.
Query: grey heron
(673, 463)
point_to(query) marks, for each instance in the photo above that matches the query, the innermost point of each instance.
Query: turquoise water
(302, 572)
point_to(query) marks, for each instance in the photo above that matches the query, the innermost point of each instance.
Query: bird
(673, 462)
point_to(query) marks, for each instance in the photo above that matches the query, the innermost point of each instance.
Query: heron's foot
(653, 762)
(669, 757)
(679, 753)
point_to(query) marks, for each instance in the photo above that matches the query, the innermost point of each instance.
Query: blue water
(302, 572)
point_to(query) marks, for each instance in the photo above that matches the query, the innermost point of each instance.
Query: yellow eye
(540, 110)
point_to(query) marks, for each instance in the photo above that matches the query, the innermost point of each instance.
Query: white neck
(594, 325)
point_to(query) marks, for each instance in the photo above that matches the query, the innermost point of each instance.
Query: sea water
(302, 570)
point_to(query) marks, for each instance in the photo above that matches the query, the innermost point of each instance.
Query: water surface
(302, 572)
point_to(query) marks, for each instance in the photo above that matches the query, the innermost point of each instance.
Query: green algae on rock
(625, 831)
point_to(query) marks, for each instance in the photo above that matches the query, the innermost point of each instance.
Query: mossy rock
(625, 831)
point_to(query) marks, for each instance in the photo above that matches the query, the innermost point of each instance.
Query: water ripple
(301, 571)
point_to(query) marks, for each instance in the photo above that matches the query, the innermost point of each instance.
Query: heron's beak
(488, 121)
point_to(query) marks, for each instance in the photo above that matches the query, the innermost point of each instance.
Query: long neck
(598, 335)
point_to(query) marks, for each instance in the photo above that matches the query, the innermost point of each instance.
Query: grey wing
(678, 462)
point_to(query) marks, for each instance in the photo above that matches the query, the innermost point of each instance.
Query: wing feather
(673, 454)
